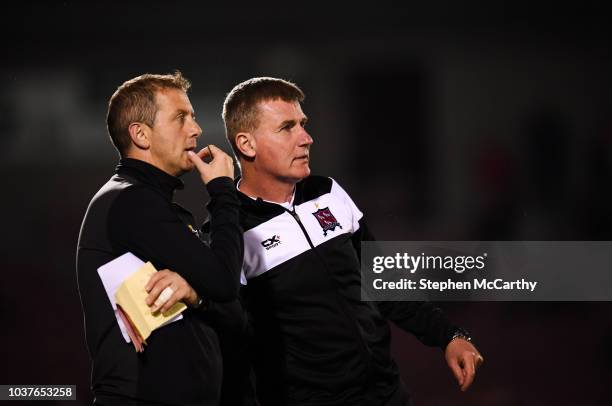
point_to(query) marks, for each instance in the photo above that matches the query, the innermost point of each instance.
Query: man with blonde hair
(152, 124)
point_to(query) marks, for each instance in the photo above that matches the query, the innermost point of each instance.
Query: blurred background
(444, 120)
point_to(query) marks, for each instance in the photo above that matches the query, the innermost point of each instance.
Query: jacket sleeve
(143, 222)
(424, 320)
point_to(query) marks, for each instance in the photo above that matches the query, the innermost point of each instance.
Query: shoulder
(139, 196)
(108, 194)
(118, 204)
(136, 201)
(315, 186)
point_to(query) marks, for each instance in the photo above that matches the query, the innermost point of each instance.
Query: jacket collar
(261, 206)
(156, 178)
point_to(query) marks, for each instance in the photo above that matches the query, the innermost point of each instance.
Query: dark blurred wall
(443, 120)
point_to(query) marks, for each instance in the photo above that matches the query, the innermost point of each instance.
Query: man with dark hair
(315, 342)
(152, 124)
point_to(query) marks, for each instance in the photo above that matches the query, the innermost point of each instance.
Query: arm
(429, 324)
(145, 224)
(424, 320)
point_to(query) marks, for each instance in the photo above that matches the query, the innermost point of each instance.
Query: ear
(140, 133)
(246, 144)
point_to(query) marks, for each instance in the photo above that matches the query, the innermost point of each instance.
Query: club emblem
(326, 220)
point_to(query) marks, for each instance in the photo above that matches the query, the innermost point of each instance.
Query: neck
(146, 157)
(270, 189)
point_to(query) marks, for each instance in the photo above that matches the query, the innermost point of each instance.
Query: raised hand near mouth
(221, 164)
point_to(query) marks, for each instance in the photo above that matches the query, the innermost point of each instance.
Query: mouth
(190, 148)
(302, 157)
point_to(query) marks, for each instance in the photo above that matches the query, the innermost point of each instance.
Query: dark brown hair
(240, 109)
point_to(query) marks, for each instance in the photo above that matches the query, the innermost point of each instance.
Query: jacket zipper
(342, 304)
(297, 218)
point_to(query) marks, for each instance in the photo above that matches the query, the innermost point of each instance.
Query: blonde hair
(134, 101)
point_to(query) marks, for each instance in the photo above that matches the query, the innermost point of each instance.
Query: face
(282, 143)
(174, 132)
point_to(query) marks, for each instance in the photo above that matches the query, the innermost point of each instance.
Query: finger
(479, 361)
(470, 371)
(154, 278)
(176, 296)
(457, 371)
(156, 290)
(214, 150)
(205, 153)
(163, 297)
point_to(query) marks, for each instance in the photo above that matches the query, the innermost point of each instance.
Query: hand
(180, 291)
(463, 359)
(220, 165)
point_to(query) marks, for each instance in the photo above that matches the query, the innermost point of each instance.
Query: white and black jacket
(313, 340)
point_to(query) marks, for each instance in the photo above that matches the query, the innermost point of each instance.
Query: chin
(184, 169)
(188, 166)
(303, 174)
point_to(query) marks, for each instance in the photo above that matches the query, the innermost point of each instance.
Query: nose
(305, 138)
(195, 130)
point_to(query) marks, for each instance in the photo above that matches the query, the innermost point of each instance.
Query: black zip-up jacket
(133, 212)
(315, 342)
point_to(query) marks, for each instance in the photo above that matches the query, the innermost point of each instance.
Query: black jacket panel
(315, 341)
(133, 212)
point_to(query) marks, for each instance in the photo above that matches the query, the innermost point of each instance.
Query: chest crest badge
(326, 220)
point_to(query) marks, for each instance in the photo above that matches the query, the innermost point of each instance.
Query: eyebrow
(286, 123)
(291, 122)
(183, 111)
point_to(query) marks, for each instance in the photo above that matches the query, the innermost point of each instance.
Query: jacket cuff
(220, 185)
(456, 332)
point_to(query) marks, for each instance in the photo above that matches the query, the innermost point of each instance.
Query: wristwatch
(201, 304)
(460, 333)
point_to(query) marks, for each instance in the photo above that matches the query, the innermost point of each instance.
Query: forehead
(280, 110)
(170, 100)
